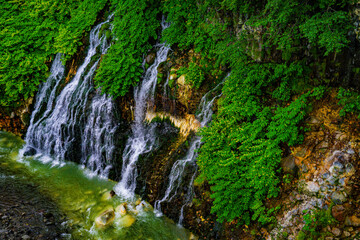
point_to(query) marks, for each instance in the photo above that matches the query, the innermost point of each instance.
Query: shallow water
(82, 196)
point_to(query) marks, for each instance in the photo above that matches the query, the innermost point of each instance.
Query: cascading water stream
(65, 129)
(143, 137)
(178, 172)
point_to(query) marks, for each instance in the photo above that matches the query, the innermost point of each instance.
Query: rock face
(328, 162)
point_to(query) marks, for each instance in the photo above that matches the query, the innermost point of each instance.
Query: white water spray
(63, 128)
(178, 172)
(143, 137)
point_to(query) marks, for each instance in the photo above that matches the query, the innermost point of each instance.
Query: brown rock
(339, 212)
(352, 221)
(288, 164)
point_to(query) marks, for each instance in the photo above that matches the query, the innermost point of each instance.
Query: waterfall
(63, 128)
(143, 136)
(178, 172)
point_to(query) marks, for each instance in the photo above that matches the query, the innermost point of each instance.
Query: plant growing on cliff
(121, 68)
(32, 33)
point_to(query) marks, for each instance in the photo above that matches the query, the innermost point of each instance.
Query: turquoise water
(83, 197)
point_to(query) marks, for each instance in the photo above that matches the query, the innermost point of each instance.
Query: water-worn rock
(352, 221)
(150, 58)
(121, 209)
(339, 212)
(105, 219)
(338, 197)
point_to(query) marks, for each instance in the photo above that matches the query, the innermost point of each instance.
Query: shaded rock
(338, 212)
(302, 153)
(346, 234)
(105, 219)
(29, 151)
(25, 237)
(288, 164)
(338, 197)
(352, 221)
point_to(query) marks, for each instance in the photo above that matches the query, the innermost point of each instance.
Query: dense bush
(32, 32)
(134, 24)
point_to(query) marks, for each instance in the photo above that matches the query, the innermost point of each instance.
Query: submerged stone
(105, 219)
(127, 221)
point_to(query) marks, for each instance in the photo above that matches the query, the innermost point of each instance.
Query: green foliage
(121, 68)
(314, 222)
(328, 30)
(241, 153)
(350, 101)
(32, 32)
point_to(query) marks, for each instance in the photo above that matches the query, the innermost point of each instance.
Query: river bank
(25, 213)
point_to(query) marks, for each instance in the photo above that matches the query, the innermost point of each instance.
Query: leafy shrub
(350, 101)
(121, 68)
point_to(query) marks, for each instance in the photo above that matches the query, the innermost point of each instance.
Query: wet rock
(338, 197)
(121, 209)
(338, 212)
(105, 219)
(29, 151)
(346, 234)
(25, 237)
(150, 58)
(352, 221)
(288, 164)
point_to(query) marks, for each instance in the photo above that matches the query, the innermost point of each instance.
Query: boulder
(105, 219)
